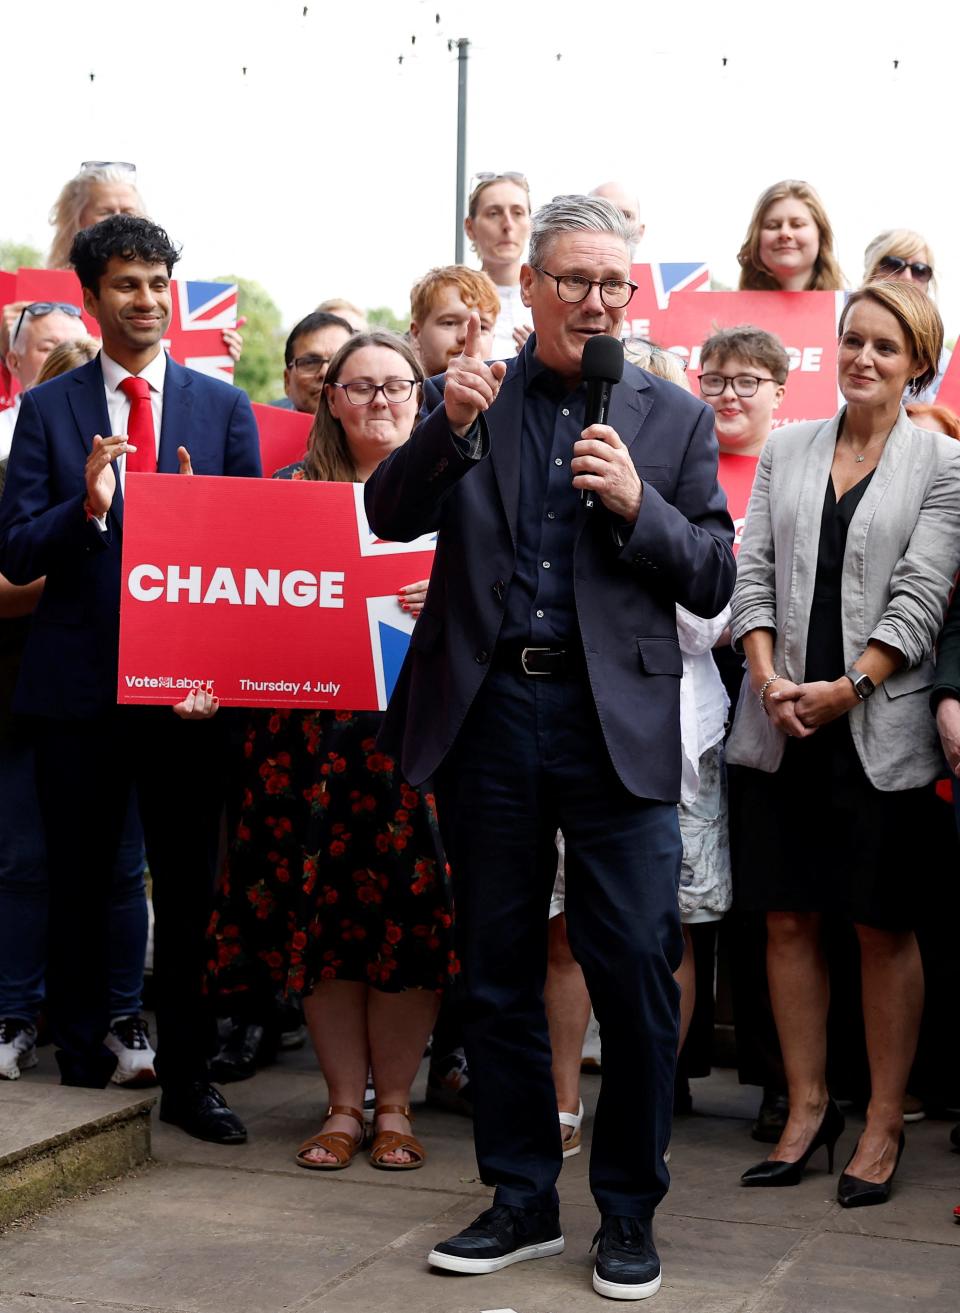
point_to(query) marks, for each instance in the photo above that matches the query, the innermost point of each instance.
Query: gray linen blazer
(902, 553)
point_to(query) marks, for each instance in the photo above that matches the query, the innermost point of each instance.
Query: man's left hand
(199, 704)
(602, 463)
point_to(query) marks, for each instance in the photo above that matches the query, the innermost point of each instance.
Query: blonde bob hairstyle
(825, 276)
(917, 316)
(71, 203)
(67, 356)
(328, 453)
(905, 244)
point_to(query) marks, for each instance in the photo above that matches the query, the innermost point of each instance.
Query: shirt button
(558, 461)
(565, 411)
(539, 615)
(546, 565)
(550, 515)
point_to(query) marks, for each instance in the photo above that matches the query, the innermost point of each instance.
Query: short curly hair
(126, 236)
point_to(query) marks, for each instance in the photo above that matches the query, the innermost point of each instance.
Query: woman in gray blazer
(851, 544)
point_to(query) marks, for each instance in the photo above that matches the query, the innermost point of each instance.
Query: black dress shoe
(773, 1172)
(244, 1049)
(201, 1110)
(500, 1236)
(628, 1266)
(771, 1117)
(854, 1192)
(89, 1073)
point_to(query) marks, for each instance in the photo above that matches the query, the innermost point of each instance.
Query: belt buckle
(534, 674)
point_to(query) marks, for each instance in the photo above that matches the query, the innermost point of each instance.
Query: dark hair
(747, 342)
(123, 235)
(309, 324)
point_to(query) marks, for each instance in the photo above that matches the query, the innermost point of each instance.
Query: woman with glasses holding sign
(336, 883)
(851, 544)
(789, 243)
(903, 255)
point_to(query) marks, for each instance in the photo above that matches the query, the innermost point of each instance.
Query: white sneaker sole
(24, 1062)
(616, 1290)
(480, 1266)
(130, 1077)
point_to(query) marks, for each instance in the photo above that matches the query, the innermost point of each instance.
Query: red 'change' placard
(276, 591)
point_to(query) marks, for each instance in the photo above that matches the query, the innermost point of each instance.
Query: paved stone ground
(244, 1230)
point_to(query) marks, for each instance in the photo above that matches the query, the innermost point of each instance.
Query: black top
(825, 635)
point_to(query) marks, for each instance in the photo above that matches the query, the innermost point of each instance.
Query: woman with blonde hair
(67, 356)
(850, 548)
(902, 255)
(101, 188)
(789, 243)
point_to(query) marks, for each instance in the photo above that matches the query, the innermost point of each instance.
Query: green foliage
(383, 317)
(260, 368)
(19, 255)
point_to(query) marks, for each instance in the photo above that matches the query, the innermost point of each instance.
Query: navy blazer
(69, 668)
(679, 550)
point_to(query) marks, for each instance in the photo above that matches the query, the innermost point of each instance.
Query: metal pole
(463, 46)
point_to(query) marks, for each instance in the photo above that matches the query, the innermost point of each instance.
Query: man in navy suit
(62, 517)
(542, 692)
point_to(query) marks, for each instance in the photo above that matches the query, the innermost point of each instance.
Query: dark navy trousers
(529, 760)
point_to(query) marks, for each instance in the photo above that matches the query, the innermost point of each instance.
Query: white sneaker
(129, 1039)
(18, 1047)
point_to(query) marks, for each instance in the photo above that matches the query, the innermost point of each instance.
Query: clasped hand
(99, 474)
(471, 385)
(798, 710)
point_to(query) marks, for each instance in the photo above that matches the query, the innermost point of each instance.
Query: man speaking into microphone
(541, 691)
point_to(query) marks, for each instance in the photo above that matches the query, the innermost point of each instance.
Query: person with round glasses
(849, 552)
(498, 225)
(335, 883)
(902, 255)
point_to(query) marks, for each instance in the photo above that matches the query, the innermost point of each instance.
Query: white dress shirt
(118, 404)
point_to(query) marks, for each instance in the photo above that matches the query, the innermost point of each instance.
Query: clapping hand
(471, 385)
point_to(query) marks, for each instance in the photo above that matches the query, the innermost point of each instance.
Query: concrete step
(57, 1142)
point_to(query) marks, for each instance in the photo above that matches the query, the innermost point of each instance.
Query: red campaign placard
(948, 394)
(8, 384)
(283, 436)
(736, 475)
(275, 591)
(200, 313)
(805, 322)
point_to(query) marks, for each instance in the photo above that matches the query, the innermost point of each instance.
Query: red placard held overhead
(275, 591)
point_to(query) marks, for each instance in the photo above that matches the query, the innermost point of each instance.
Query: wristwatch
(863, 685)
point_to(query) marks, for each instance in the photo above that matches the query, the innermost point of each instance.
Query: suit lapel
(175, 424)
(88, 402)
(505, 438)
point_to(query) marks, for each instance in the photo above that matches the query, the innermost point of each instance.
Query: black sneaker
(500, 1236)
(628, 1266)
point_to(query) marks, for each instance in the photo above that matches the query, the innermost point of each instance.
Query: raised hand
(472, 385)
(99, 474)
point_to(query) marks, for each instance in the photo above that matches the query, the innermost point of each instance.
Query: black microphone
(602, 367)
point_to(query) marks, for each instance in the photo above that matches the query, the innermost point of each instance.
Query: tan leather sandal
(339, 1143)
(385, 1142)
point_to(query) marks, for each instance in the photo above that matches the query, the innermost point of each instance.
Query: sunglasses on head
(37, 309)
(892, 264)
(124, 165)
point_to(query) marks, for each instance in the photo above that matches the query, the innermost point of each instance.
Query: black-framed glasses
(892, 264)
(361, 393)
(744, 385)
(124, 165)
(615, 293)
(309, 366)
(37, 309)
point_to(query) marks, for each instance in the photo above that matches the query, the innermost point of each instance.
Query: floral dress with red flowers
(336, 869)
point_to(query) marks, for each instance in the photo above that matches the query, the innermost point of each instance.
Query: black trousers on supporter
(530, 759)
(84, 773)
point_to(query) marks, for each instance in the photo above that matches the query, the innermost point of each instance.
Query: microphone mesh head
(603, 358)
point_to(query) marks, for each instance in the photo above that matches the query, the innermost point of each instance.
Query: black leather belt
(535, 662)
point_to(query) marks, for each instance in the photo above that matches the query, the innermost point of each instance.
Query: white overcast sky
(329, 168)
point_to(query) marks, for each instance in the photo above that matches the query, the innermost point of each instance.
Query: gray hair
(565, 214)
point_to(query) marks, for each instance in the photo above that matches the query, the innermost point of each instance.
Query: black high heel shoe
(773, 1172)
(854, 1192)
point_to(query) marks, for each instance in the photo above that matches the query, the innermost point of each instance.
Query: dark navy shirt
(539, 606)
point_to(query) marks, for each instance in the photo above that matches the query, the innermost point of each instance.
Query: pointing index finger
(471, 346)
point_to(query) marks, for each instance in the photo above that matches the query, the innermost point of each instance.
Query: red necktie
(140, 426)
